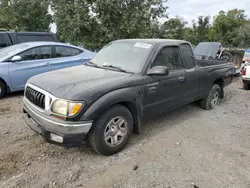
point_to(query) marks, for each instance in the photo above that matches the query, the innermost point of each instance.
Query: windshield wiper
(116, 67)
(90, 63)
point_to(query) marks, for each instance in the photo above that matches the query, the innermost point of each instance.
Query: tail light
(244, 71)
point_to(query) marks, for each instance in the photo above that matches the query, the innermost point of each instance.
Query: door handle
(181, 78)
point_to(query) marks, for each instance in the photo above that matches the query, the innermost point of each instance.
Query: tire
(227, 56)
(210, 102)
(2, 89)
(108, 123)
(245, 86)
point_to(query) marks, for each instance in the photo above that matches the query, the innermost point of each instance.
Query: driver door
(164, 92)
(34, 61)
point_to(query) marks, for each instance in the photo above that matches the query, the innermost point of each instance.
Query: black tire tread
(92, 135)
(245, 86)
(205, 103)
(3, 87)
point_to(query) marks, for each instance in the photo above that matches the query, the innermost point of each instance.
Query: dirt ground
(187, 147)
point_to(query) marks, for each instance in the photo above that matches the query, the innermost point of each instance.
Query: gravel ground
(187, 147)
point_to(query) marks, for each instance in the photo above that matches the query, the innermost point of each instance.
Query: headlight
(66, 108)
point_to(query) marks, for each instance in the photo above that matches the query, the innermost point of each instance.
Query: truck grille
(35, 97)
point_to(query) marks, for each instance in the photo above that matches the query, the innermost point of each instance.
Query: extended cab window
(187, 55)
(44, 52)
(64, 51)
(2, 41)
(168, 56)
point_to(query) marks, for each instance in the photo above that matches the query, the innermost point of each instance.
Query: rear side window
(30, 38)
(64, 51)
(3, 43)
(187, 55)
(44, 52)
(168, 56)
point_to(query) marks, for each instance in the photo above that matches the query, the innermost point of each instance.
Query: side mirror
(16, 58)
(159, 70)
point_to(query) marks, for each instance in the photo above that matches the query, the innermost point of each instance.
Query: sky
(191, 9)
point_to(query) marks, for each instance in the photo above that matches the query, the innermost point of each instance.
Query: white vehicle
(245, 59)
(246, 76)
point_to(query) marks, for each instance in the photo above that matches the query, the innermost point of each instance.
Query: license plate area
(56, 138)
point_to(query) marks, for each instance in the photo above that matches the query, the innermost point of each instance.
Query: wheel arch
(220, 82)
(135, 114)
(131, 99)
(6, 85)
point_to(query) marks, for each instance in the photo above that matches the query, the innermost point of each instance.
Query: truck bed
(205, 63)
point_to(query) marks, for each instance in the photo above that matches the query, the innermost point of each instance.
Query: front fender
(133, 95)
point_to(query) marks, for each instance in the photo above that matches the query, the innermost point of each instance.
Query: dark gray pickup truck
(104, 101)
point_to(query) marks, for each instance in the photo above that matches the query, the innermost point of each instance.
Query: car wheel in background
(110, 133)
(2, 89)
(213, 98)
(245, 86)
(227, 56)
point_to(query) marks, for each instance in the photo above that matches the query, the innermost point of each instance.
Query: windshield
(11, 50)
(126, 55)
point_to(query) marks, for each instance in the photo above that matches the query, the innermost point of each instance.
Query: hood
(77, 82)
(208, 49)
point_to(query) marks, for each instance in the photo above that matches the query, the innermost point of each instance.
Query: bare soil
(187, 147)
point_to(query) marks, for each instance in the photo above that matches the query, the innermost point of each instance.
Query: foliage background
(94, 23)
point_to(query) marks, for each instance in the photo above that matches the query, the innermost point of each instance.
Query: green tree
(225, 25)
(97, 22)
(242, 38)
(173, 28)
(190, 35)
(202, 28)
(25, 15)
(6, 15)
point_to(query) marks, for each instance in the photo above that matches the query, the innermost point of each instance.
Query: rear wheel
(111, 132)
(213, 98)
(2, 89)
(245, 86)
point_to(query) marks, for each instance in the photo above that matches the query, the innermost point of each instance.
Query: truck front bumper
(59, 132)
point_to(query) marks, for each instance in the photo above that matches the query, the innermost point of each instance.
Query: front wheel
(111, 131)
(213, 98)
(246, 86)
(2, 89)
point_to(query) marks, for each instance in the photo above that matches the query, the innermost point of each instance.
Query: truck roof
(155, 41)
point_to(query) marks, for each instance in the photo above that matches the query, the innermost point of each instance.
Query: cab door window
(43, 52)
(64, 51)
(169, 57)
(187, 54)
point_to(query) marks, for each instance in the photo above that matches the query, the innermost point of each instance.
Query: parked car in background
(126, 81)
(212, 51)
(10, 38)
(246, 75)
(20, 62)
(246, 58)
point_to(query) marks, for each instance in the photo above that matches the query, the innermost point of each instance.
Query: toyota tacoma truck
(104, 101)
